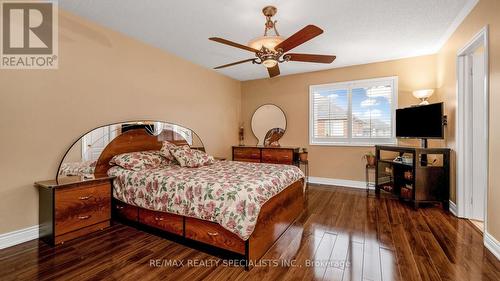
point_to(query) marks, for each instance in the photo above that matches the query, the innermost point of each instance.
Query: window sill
(340, 144)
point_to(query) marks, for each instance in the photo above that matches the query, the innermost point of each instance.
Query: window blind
(355, 112)
(331, 114)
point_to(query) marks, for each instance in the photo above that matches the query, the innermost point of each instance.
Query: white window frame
(350, 141)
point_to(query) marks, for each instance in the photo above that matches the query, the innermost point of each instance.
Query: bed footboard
(275, 217)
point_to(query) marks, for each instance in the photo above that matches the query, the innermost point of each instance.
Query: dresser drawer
(278, 156)
(246, 153)
(125, 211)
(81, 206)
(213, 234)
(247, 160)
(164, 221)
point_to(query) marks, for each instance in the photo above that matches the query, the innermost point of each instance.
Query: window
(353, 113)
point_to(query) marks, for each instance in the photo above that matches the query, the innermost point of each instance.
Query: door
(94, 143)
(479, 135)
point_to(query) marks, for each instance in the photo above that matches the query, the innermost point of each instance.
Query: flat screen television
(423, 122)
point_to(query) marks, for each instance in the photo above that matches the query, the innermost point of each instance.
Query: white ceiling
(357, 31)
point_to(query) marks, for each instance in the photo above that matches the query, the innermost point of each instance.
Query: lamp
(423, 95)
(270, 63)
(265, 41)
(266, 44)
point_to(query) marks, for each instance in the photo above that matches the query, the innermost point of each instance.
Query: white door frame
(464, 195)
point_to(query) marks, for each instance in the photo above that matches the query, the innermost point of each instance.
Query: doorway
(472, 130)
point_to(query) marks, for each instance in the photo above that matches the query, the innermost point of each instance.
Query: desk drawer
(213, 234)
(247, 160)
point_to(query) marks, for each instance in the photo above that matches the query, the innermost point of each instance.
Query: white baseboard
(453, 208)
(18, 236)
(338, 182)
(492, 244)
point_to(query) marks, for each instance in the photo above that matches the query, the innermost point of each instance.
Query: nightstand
(73, 208)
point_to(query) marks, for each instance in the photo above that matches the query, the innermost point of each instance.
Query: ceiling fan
(270, 50)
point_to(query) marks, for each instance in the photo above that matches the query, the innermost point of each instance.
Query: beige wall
(75, 153)
(291, 93)
(103, 77)
(485, 13)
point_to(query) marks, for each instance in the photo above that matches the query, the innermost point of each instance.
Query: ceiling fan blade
(234, 63)
(233, 44)
(310, 58)
(274, 71)
(305, 34)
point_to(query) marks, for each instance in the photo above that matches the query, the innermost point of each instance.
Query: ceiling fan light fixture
(269, 50)
(270, 63)
(265, 41)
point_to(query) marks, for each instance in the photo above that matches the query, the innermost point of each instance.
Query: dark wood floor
(347, 235)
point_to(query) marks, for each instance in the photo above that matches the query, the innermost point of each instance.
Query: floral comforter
(228, 193)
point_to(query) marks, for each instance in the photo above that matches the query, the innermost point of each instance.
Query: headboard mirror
(80, 160)
(268, 124)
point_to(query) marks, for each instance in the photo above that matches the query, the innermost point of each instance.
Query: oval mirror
(80, 159)
(268, 124)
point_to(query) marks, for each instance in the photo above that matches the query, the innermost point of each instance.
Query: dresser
(262, 154)
(72, 208)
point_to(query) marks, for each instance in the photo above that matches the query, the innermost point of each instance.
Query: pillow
(140, 160)
(191, 158)
(165, 150)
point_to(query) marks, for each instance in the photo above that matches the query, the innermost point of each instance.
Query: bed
(236, 207)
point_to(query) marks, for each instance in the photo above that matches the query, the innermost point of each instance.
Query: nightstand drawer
(81, 206)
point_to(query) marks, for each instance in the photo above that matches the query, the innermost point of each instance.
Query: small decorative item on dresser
(303, 154)
(241, 134)
(370, 158)
(273, 136)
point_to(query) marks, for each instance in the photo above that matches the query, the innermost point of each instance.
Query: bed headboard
(132, 141)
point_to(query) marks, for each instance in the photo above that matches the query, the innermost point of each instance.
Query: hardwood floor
(345, 234)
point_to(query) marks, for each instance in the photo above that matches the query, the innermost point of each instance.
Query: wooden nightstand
(72, 209)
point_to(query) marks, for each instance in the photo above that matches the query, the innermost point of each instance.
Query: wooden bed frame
(275, 217)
